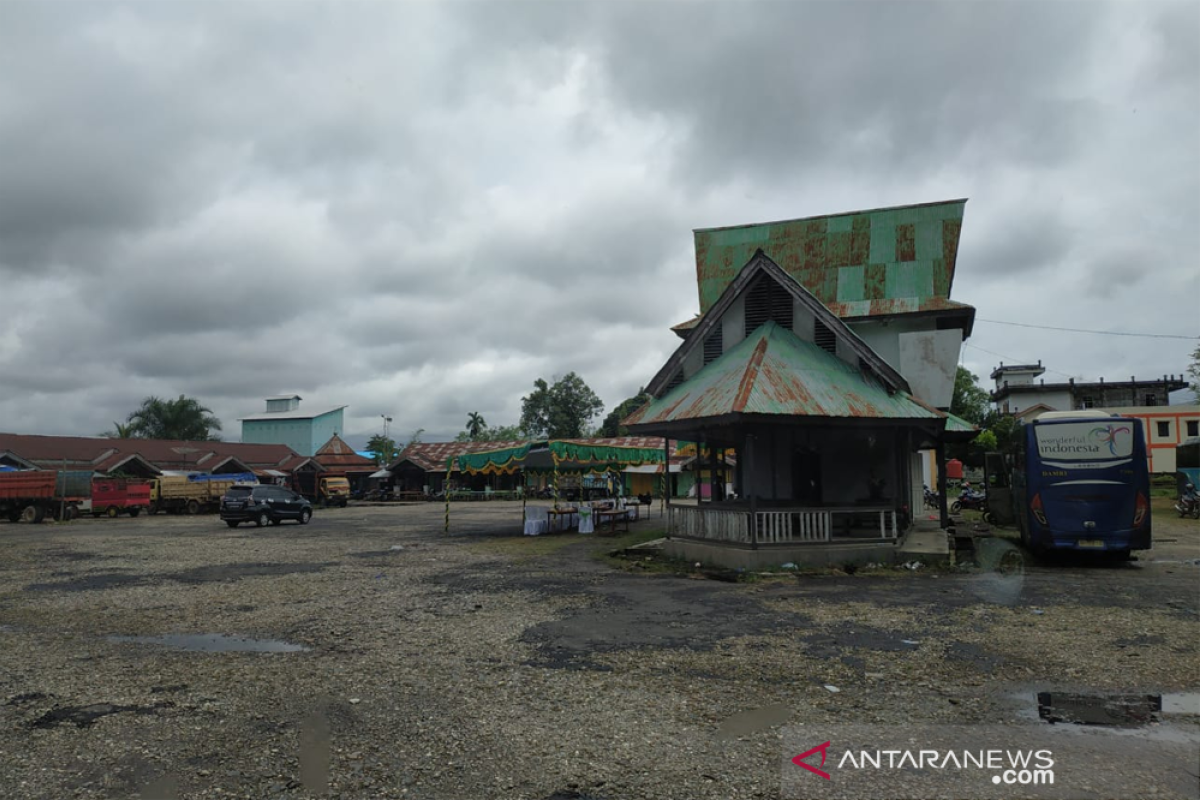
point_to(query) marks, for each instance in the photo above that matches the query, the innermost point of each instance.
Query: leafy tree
(612, 423)
(383, 448)
(183, 418)
(1194, 371)
(969, 401)
(559, 411)
(502, 433)
(985, 441)
(414, 439)
(476, 425)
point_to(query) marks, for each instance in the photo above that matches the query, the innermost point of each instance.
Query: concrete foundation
(924, 543)
(812, 555)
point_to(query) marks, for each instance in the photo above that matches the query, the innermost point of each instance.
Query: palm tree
(119, 431)
(183, 419)
(475, 425)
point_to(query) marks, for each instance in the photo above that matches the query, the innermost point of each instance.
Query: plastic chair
(586, 523)
(536, 520)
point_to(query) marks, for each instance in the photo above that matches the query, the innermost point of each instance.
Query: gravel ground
(483, 664)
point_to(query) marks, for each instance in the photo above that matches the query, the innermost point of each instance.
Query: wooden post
(943, 510)
(554, 478)
(749, 473)
(664, 501)
(446, 493)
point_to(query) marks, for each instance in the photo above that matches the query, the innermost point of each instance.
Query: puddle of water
(214, 643)
(1098, 709)
(1185, 703)
(754, 720)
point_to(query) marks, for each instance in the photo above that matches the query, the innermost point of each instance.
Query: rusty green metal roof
(774, 372)
(956, 424)
(859, 264)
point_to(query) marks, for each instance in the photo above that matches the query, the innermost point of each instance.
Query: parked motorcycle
(1189, 503)
(932, 498)
(970, 499)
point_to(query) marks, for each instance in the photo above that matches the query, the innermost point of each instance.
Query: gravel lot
(483, 664)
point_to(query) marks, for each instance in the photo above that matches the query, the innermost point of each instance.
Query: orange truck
(33, 495)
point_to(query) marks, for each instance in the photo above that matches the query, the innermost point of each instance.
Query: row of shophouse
(148, 458)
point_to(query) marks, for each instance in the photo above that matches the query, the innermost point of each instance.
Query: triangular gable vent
(767, 300)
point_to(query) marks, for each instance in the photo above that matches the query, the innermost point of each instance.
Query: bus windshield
(1093, 440)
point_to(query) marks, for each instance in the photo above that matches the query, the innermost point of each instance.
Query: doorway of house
(806, 477)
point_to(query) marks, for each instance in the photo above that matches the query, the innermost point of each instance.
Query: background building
(1165, 425)
(1017, 388)
(284, 423)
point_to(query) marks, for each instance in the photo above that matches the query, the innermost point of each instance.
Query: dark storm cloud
(867, 87)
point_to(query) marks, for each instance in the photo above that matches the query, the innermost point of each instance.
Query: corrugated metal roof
(850, 261)
(774, 372)
(432, 456)
(50, 452)
(956, 424)
(336, 454)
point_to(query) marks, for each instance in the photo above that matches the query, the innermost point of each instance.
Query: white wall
(884, 336)
(1057, 400)
(733, 324)
(928, 361)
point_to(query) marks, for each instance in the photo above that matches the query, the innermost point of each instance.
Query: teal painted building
(285, 423)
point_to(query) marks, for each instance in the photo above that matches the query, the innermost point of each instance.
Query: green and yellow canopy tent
(551, 456)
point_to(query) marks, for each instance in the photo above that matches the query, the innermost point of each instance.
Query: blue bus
(1080, 482)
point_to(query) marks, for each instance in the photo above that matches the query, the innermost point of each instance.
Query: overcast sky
(418, 209)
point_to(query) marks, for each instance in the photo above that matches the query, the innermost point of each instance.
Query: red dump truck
(33, 495)
(117, 496)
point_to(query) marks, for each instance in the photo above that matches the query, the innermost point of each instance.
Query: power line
(1083, 330)
(1010, 358)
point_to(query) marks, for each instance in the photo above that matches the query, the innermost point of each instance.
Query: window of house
(1164, 428)
(1089, 401)
(1151, 400)
(1193, 427)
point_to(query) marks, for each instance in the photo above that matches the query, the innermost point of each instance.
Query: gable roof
(336, 454)
(891, 260)
(758, 264)
(773, 372)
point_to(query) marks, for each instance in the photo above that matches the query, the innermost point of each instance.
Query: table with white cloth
(562, 519)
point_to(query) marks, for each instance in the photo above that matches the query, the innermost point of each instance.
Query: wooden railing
(718, 525)
(779, 525)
